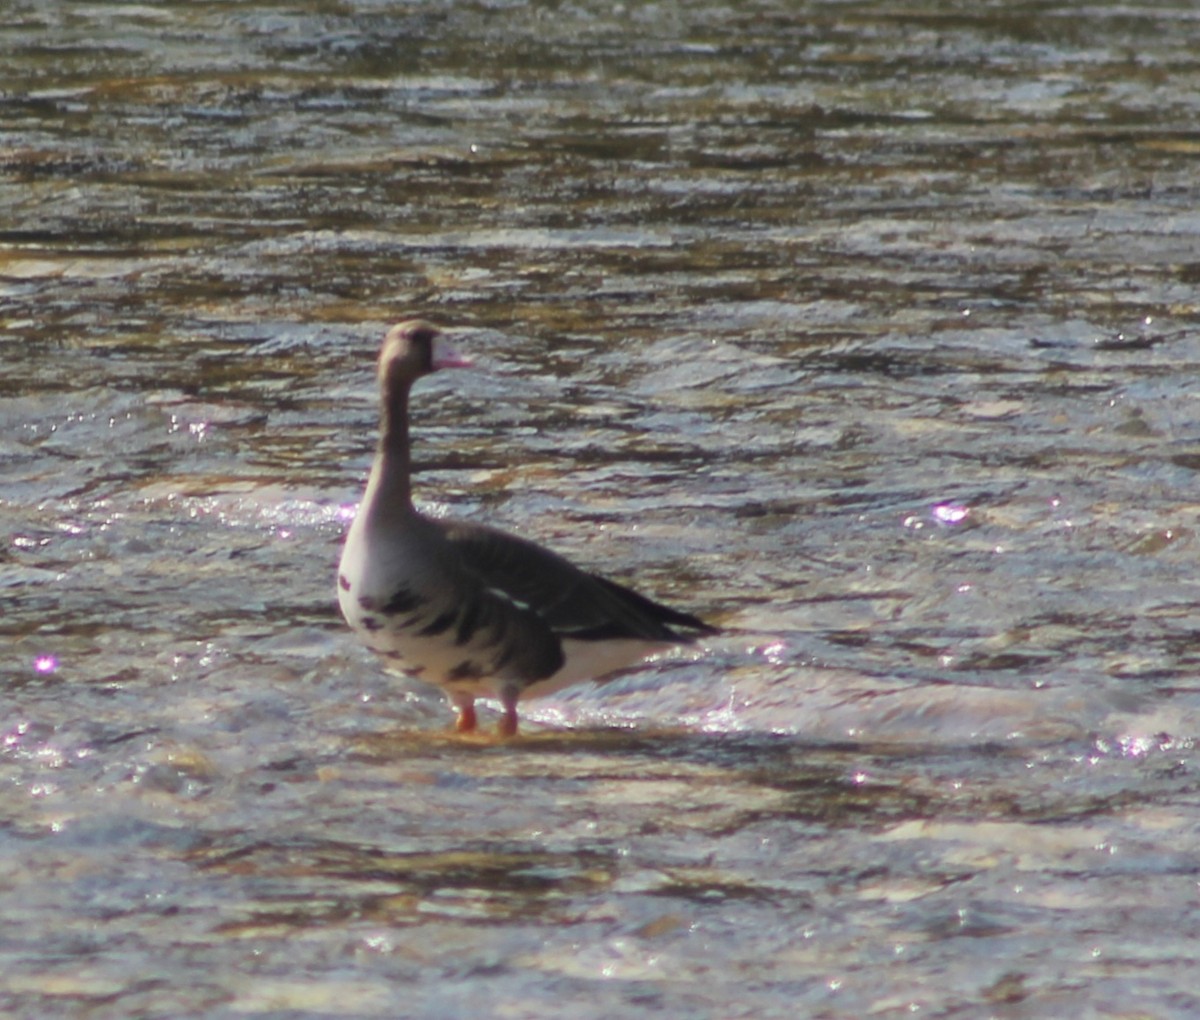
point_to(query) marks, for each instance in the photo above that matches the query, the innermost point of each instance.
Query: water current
(867, 331)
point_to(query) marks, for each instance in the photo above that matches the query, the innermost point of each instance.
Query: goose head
(412, 349)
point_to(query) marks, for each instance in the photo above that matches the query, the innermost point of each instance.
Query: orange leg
(465, 706)
(508, 721)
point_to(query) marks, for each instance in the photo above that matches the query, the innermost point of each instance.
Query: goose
(474, 610)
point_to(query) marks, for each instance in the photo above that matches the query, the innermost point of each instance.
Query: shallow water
(865, 331)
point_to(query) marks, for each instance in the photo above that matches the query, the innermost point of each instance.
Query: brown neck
(389, 489)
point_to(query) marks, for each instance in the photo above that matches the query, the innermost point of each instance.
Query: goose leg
(508, 721)
(464, 704)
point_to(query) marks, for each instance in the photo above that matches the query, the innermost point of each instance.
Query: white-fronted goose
(472, 609)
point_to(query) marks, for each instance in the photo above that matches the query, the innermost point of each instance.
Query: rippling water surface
(867, 331)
